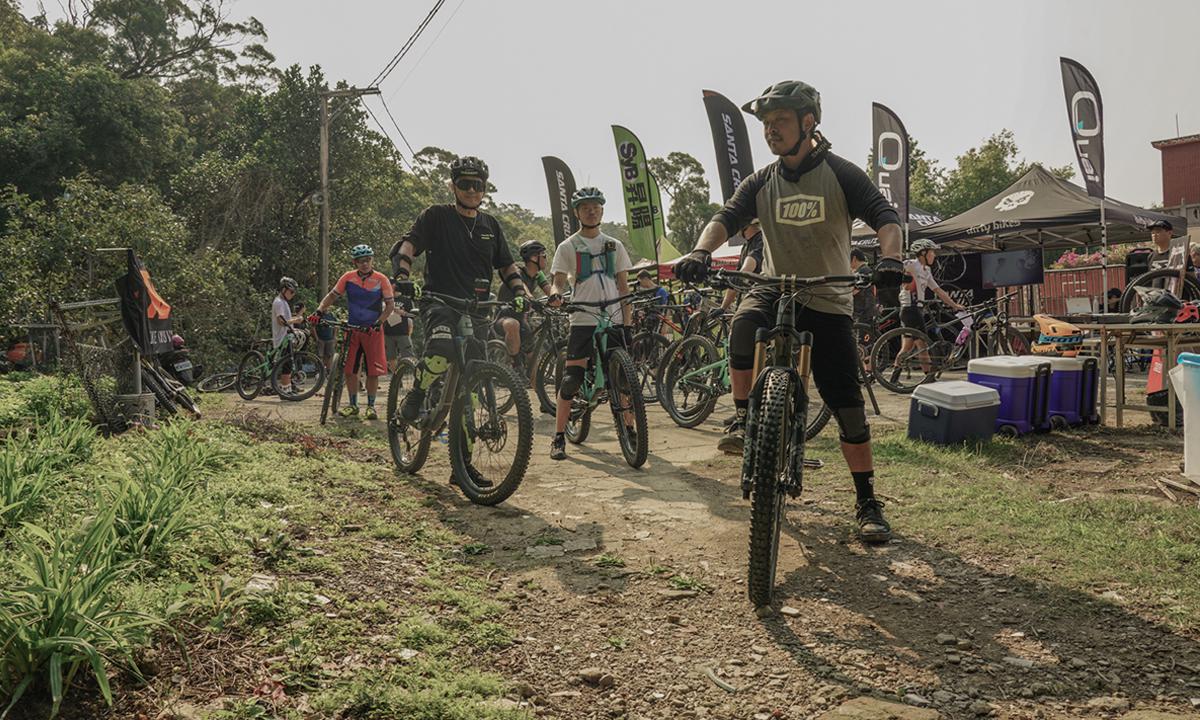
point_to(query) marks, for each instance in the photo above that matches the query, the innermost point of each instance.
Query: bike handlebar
(784, 282)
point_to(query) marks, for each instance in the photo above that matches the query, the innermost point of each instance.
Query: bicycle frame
(722, 365)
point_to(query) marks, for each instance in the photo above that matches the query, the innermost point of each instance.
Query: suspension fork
(792, 480)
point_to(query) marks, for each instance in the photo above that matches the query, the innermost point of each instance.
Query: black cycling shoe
(558, 448)
(410, 409)
(734, 439)
(872, 528)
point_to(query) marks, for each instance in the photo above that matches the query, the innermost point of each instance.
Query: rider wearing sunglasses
(462, 246)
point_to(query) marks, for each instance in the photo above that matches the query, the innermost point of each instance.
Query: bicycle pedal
(813, 463)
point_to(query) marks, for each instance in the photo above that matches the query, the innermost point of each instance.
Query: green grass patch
(961, 499)
(609, 560)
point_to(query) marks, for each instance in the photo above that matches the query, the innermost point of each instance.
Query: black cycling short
(580, 343)
(912, 317)
(834, 353)
(441, 326)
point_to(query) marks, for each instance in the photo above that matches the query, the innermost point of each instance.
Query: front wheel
(772, 430)
(648, 351)
(490, 447)
(911, 364)
(250, 375)
(497, 352)
(409, 444)
(1009, 341)
(333, 392)
(628, 408)
(217, 383)
(307, 375)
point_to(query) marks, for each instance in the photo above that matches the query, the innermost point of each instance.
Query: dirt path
(671, 634)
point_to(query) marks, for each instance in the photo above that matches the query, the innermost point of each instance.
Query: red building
(1181, 179)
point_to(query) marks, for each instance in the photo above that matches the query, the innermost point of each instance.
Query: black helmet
(1158, 306)
(468, 166)
(531, 248)
(789, 94)
(587, 194)
(286, 283)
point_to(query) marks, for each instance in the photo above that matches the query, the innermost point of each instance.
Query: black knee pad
(852, 424)
(571, 382)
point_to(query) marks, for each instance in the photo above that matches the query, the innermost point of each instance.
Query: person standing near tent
(838, 191)
(913, 295)
(750, 259)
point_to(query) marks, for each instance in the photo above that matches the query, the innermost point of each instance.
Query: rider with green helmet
(806, 202)
(369, 300)
(598, 264)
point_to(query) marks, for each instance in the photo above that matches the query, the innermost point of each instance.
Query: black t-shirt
(531, 287)
(461, 251)
(753, 248)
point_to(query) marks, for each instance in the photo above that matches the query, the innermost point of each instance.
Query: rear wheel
(904, 370)
(628, 408)
(409, 444)
(489, 446)
(1009, 341)
(818, 417)
(687, 394)
(250, 375)
(307, 375)
(772, 430)
(1165, 278)
(219, 382)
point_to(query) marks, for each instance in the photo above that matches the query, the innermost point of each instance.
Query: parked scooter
(178, 363)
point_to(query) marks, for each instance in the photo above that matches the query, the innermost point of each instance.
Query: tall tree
(984, 171)
(681, 177)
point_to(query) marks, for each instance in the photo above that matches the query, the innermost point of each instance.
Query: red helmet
(1189, 313)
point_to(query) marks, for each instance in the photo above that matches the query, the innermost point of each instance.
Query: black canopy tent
(863, 235)
(1040, 210)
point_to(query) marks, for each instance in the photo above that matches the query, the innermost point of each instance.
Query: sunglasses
(470, 184)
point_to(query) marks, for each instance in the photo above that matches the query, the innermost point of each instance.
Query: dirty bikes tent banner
(863, 235)
(640, 194)
(561, 184)
(731, 141)
(147, 317)
(889, 169)
(1040, 210)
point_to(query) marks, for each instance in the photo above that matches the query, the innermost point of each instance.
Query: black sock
(558, 435)
(864, 485)
(740, 408)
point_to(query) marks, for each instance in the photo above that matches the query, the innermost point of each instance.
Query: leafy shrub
(41, 399)
(62, 615)
(21, 487)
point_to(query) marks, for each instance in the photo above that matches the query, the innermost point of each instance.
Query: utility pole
(325, 213)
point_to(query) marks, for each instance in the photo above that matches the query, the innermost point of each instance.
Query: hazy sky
(512, 81)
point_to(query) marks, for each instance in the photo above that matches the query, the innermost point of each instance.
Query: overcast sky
(512, 81)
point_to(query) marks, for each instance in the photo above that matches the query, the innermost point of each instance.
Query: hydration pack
(585, 259)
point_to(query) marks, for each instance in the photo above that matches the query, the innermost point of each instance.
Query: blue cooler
(1024, 387)
(946, 413)
(1072, 392)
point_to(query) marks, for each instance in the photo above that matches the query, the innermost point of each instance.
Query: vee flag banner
(561, 184)
(640, 193)
(1086, 114)
(890, 168)
(731, 141)
(147, 317)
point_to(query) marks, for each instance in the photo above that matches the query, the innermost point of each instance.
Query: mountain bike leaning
(483, 406)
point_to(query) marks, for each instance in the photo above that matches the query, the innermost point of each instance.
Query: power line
(397, 126)
(389, 137)
(427, 49)
(387, 70)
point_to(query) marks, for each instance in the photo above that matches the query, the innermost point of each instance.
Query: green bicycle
(697, 373)
(290, 358)
(611, 377)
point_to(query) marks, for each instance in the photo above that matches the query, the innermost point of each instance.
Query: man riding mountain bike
(599, 264)
(368, 294)
(806, 202)
(514, 325)
(463, 246)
